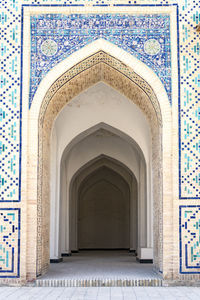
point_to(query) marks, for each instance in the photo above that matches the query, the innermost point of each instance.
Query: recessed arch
(85, 190)
(104, 159)
(155, 107)
(93, 173)
(84, 174)
(110, 130)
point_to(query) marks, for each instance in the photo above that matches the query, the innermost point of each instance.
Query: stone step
(97, 282)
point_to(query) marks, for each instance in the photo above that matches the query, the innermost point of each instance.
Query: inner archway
(120, 178)
(103, 211)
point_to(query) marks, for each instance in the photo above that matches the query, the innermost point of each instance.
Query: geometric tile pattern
(9, 101)
(55, 36)
(189, 239)
(9, 242)
(190, 104)
(10, 19)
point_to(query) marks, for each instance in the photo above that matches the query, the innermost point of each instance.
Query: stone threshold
(97, 282)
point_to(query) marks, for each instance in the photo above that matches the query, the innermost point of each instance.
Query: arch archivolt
(102, 66)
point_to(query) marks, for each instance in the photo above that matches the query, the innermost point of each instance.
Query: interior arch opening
(66, 120)
(111, 151)
(117, 187)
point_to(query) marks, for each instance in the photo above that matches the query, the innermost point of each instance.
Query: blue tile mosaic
(55, 36)
(189, 224)
(9, 242)
(189, 151)
(9, 102)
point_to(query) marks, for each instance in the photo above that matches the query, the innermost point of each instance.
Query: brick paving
(100, 293)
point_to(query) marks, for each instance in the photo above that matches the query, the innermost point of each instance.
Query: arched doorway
(99, 70)
(103, 211)
(111, 180)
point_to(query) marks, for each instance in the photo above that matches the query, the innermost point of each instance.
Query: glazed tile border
(189, 231)
(10, 242)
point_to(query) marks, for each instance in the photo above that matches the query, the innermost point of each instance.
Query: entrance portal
(98, 108)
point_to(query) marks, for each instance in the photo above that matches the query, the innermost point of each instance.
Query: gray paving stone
(100, 293)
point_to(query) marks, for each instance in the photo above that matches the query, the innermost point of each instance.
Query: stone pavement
(101, 293)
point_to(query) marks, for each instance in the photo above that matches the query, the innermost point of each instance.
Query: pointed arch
(99, 61)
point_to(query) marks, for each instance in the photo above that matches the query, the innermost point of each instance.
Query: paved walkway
(103, 293)
(101, 265)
